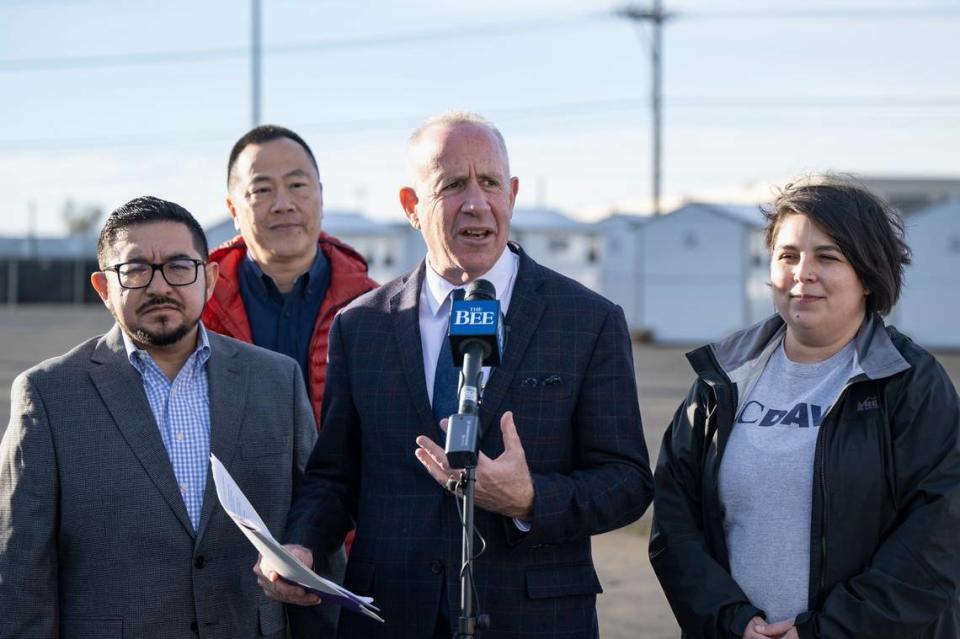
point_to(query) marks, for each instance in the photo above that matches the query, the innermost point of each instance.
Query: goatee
(150, 338)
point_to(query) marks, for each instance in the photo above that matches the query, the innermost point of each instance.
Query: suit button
(193, 626)
(199, 561)
(436, 567)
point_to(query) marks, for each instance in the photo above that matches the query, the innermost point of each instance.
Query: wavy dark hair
(867, 230)
(145, 210)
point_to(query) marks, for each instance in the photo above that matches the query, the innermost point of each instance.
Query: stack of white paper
(275, 556)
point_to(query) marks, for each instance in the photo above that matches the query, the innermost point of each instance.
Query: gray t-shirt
(766, 478)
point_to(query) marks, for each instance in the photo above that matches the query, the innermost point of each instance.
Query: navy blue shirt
(283, 322)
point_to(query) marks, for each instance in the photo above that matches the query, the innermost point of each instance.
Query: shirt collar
(500, 275)
(315, 274)
(266, 286)
(135, 353)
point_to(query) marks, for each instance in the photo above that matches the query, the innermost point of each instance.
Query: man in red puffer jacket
(282, 280)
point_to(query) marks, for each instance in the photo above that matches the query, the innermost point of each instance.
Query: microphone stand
(463, 435)
(469, 622)
(468, 625)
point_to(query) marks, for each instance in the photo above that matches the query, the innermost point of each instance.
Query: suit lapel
(523, 317)
(121, 389)
(405, 311)
(226, 381)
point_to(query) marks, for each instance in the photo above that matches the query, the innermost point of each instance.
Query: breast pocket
(545, 403)
(543, 416)
(539, 387)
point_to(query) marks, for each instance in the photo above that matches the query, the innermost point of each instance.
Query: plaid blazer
(95, 540)
(567, 375)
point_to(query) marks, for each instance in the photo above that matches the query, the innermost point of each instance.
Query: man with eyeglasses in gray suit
(109, 521)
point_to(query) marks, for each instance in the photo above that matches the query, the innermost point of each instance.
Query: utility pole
(255, 63)
(33, 250)
(656, 17)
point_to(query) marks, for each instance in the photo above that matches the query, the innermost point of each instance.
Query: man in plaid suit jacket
(563, 450)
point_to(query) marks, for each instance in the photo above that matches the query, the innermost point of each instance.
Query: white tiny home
(704, 271)
(929, 308)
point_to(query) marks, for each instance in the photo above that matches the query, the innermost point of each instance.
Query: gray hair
(451, 119)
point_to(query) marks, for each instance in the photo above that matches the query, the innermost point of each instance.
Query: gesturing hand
(503, 484)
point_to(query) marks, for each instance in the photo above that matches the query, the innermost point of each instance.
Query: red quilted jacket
(226, 314)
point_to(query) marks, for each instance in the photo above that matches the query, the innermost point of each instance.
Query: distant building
(621, 264)
(48, 270)
(930, 306)
(912, 194)
(703, 272)
(690, 276)
(390, 248)
(906, 194)
(560, 243)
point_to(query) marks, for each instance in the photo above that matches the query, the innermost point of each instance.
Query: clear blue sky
(105, 100)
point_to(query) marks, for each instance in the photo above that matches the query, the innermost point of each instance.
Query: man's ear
(212, 271)
(233, 212)
(409, 201)
(99, 281)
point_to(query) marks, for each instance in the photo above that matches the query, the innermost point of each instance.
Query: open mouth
(476, 234)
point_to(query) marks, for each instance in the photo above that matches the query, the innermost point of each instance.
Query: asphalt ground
(632, 605)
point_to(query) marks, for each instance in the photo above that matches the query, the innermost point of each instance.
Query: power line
(563, 109)
(833, 13)
(57, 63)
(70, 62)
(119, 60)
(895, 101)
(34, 4)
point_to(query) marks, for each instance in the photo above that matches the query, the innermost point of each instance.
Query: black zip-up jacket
(885, 528)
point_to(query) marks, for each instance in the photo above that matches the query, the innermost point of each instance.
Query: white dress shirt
(435, 309)
(435, 317)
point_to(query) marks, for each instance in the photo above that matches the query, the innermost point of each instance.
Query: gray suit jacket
(95, 540)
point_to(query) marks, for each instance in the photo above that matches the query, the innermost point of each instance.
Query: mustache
(159, 301)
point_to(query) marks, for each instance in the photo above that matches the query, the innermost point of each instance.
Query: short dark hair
(260, 135)
(867, 230)
(145, 210)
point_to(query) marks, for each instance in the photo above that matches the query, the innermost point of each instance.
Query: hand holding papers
(275, 556)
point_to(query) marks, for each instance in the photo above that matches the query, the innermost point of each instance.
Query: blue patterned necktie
(447, 378)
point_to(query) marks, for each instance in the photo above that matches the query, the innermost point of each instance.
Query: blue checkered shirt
(182, 412)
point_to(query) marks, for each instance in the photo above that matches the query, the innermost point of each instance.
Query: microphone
(476, 340)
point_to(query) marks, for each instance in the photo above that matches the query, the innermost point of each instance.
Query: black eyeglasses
(181, 272)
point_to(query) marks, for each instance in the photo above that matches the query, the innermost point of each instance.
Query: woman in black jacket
(809, 485)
